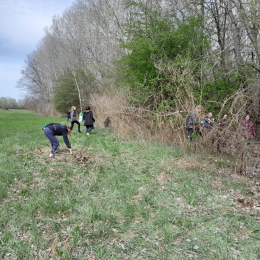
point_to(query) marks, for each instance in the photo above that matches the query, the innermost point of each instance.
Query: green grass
(129, 200)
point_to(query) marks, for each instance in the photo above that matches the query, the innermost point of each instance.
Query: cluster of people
(194, 125)
(53, 129)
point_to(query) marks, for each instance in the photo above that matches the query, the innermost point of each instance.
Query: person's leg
(54, 141)
(78, 125)
(48, 133)
(72, 124)
(198, 132)
(90, 128)
(190, 132)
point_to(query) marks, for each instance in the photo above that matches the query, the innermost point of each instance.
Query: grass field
(117, 199)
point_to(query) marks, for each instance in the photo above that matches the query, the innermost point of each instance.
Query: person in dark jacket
(73, 118)
(107, 122)
(68, 115)
(89, 120)
(193, 123)
(53, 129)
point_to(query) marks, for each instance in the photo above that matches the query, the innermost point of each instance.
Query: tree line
(165, 54)
(11, 103)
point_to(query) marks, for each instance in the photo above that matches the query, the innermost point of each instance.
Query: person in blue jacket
(68, 115)
(89, 120)
(53, 129)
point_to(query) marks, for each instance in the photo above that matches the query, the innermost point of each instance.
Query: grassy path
(115, 199)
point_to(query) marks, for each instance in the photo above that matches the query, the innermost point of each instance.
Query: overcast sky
(22, 24)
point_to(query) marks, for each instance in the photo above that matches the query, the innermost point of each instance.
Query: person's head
(247, 117)
(224, 116)
(210, 114)
(73, 107)
(199, 109)
(69, 129)
(87, 108)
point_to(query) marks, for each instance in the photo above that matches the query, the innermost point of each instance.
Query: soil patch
(77, 156)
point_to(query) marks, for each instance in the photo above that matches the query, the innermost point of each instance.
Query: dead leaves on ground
(62, 155)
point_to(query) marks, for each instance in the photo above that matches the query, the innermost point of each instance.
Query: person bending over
(73, 118)
(53, 129)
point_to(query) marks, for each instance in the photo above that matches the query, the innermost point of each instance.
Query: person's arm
(195, 119)
(253, 130)
(92, 117)
(211, 122)
(66, 140)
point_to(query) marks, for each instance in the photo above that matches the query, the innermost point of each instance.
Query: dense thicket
(209, 48)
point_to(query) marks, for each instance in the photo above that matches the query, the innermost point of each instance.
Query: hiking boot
(88, 133)
(51, 155)
(79, 132)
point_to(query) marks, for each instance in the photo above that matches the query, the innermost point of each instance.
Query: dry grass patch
(63, 155)
(188, 163)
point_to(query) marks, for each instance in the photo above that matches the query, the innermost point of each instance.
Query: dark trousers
(75, 122)
(53, 139)
(191, 131)
(68, 118)
(89, 128)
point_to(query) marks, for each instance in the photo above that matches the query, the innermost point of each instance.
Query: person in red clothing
(247, 128)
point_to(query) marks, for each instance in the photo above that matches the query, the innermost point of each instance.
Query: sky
(22, 24)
